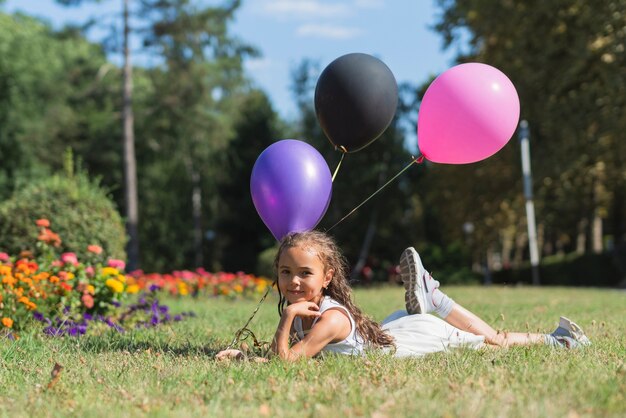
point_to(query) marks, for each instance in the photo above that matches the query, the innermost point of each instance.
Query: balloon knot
(419, 159)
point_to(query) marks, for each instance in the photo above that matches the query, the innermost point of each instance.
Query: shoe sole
(409, 262)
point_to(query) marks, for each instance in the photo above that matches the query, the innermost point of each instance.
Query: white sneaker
(570, 334)
(418, 284)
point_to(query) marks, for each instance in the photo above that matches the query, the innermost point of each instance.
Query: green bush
(265, 262)
(78, 209)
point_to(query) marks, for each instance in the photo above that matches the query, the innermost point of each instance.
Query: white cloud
(327, 31)
(305, 8)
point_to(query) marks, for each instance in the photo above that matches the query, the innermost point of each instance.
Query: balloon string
(416, 160)
(243, 329)
(343, 154)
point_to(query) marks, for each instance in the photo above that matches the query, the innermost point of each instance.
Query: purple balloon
(291, 187)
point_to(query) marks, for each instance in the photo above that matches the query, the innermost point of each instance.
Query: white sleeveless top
(352, 345)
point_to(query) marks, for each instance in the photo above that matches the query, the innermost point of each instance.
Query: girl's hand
(304, 310)
(230, 355)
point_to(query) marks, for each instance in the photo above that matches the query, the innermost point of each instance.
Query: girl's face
(301, 275)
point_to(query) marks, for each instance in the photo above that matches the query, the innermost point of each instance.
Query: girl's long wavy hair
(338, 288)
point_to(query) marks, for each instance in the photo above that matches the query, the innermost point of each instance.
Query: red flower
(43, 223)
(65, 286)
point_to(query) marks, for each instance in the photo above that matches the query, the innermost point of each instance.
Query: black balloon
(355, 100)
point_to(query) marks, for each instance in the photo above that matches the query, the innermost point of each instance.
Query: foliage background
(199, 125)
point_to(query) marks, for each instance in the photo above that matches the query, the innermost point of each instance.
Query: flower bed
(65, 296)
(201, 282)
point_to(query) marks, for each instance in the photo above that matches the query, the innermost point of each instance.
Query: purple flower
(39, 316)
(87, 317)
(154, 288)
(154, 320)
(178, 318)
(116, 303)
(53, 331)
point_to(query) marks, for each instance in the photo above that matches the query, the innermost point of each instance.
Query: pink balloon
(468, 114)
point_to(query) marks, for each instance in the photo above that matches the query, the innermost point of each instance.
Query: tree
(185, 121)
(199, 87)
(240, 233)
(566, 59)
(56, 92)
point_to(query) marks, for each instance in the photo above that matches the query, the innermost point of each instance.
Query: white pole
(530, 206)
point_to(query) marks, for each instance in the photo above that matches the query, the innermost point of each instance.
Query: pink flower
(4, 257)
(57, 263)
(87, 300)
(118, 264)
(90, 271)
(69, 258)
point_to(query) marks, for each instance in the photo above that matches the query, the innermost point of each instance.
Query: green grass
(171, 372)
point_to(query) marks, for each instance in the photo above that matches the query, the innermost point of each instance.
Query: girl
(317, 313)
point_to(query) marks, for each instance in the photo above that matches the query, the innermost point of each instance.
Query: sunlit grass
(170, 371)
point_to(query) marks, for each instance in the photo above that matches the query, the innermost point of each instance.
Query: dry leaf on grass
(55, 375)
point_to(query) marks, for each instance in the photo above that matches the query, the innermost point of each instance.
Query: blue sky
(286, 31)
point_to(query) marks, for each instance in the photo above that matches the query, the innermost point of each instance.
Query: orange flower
(9, 280)
(7, 322)
(49, 237)
(43, 223)
(96, 249)
(26, 254)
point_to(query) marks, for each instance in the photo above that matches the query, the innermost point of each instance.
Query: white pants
(420, 334)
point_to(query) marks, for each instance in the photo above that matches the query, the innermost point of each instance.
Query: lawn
(170, 371)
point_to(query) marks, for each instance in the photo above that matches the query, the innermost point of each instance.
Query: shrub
(83, 215)
(265, 262)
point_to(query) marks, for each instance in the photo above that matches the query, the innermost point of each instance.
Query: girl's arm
(332, 325)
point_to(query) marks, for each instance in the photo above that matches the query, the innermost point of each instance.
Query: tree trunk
(596, 221)
(196, 200)
(130, 168)
(521, 243)
(365, 248)
(508, 237)
(581, 238)
(596, 233)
